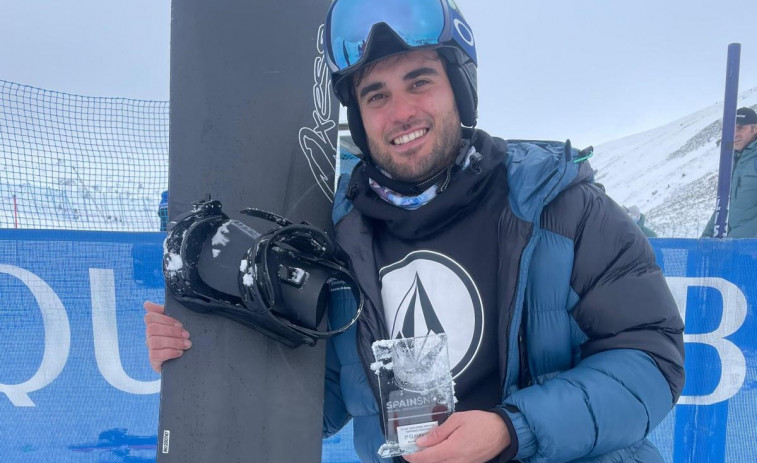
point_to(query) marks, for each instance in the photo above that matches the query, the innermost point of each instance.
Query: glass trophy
(416, 389)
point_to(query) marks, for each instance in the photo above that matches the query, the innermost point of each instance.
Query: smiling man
(508, 248)
(565, 343)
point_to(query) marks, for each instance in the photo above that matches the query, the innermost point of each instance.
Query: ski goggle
(417, 23)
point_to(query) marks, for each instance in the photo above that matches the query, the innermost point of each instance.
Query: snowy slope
(670, 172)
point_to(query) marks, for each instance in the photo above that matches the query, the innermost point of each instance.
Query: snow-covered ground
(671, 172)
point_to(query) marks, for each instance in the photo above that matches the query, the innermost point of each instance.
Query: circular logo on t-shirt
(428, 292)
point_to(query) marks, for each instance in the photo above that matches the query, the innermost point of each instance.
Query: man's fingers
(165, 337)
(171, 331)
(467, 437)
(439, 433)
(153, 317)
(153, 307)
(436, 454)
(434, 449)
(164, 342)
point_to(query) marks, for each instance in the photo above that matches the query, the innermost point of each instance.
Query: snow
(383, 344)
(669, 172)
(220, 238)
(376, 366)
(175, 263)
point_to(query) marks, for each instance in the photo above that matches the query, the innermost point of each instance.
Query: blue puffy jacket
(592, 343)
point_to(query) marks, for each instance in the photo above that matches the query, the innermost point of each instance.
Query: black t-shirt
(440, 275)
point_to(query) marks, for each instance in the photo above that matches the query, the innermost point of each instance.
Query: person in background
(639, 219)
(163, 211)
(742, 205)
(565, 341)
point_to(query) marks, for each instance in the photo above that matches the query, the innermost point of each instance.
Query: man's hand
(466, 437)
(165, 337)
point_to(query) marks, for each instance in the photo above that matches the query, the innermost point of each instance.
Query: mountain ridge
(669, 172)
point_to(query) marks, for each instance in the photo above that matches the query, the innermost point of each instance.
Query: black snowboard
(253, 124)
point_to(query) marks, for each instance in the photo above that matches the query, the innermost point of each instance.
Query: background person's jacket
(742, 207)
(592, 343)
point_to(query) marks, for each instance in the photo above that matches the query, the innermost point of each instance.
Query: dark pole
(726, 145)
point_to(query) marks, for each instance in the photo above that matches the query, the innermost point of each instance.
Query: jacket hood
(537, 171)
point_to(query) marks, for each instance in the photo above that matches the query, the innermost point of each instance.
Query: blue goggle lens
(416, 22)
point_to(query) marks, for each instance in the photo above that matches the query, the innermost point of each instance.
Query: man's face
(745, 134)
(410, 116)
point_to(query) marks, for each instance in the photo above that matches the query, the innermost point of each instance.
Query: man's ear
(357, 130)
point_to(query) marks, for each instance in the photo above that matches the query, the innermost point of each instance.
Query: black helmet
(359, 32)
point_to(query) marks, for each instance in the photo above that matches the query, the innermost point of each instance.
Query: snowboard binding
(277, 282)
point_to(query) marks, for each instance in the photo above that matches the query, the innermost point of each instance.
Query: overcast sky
(588, 70)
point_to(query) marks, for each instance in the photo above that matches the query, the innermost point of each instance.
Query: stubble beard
(443, 153)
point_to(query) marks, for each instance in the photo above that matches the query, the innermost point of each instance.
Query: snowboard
(252, 124)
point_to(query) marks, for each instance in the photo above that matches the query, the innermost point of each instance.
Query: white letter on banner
(57, 338)
(105, 333)
(733, 364)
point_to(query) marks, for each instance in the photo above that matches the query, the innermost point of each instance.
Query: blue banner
(75, 383)
(713, 283)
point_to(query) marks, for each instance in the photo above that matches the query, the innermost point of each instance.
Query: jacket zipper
(524, 371)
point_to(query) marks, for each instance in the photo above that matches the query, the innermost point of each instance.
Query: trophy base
(407, 436)
(390, 450)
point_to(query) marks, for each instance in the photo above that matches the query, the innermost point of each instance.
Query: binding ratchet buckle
(277, 282)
